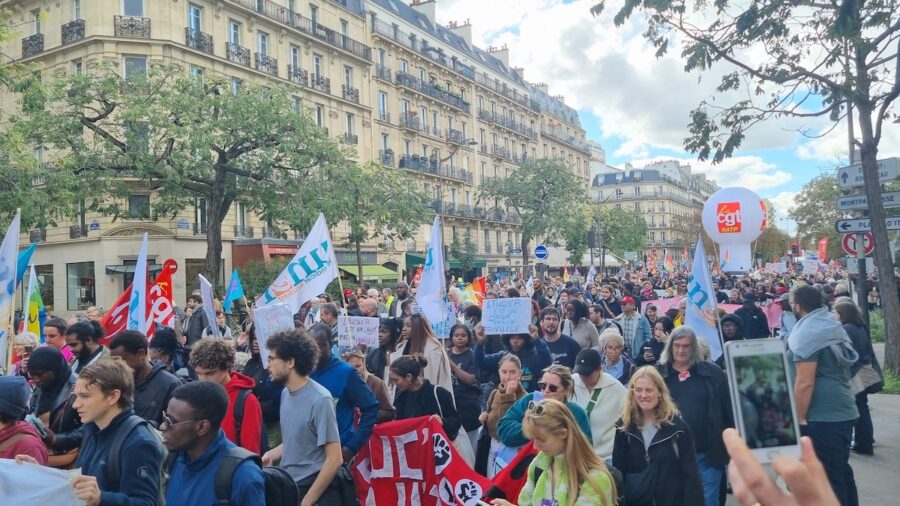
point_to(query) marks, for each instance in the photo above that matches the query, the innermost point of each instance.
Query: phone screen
(765, 402)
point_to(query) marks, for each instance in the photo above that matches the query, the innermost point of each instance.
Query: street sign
(863, 225)
(540, 252)
(888, 170)
(848, 242)
(851, 202)
(853, 265)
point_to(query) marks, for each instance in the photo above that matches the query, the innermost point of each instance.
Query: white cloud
(750, 172)
(784, 203)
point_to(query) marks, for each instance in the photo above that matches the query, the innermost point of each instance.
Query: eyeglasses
(551, 388)
(535, 408)
(168, 423)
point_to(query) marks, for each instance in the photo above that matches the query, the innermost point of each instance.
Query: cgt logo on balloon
(728, 216)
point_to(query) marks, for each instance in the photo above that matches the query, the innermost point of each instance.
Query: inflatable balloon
(733, 218)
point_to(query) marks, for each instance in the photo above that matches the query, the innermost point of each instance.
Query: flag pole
(11, 332)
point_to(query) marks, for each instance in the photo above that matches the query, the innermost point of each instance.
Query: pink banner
(772, 311)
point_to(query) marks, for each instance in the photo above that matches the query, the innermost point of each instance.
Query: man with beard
(395, 310)
(83, 338)
(153, 386)
(563, 349)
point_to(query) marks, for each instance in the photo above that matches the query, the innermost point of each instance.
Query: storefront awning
(414, 259)
(377, 272)
(129, 269)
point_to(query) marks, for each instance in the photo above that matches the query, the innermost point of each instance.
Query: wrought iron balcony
(503, 89)
(383, 116)
(350, 93)
(387, 157)
(243, 232)
(567, 138)
(383, 73)
(507, 122)
(411, 121)
(132, 26)
(321, 83)
(432, 90)
(456, 137)
(78, 231)
(200, 228)
(500, 152)
(267, 64)
(351, 138)
(273, 233)
(432, 167)
(298, 75)
(435, 131)
(32, 45)
(72, 31)
(38, 235)
(198, 40)
(237, 54)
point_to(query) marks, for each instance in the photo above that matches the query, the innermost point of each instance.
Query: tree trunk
(524, 247)
(214, 219)
(359, 268)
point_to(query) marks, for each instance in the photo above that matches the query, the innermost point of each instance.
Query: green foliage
(876, 326)
(891, 383)
(464, 252)
(620, 230)
(815, 213)
(257, 275)
(543, 193)
(772, 243)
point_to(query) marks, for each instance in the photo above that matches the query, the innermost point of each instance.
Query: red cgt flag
(823, 249)
(160, 308)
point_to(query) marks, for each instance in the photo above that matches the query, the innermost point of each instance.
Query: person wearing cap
(165, 349)
(756, 325)
(635, 327)
(788, 319)
(18, 437)
(601, 396)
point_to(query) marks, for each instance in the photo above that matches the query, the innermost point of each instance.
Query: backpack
(281, 490)
(115, 451)
(239, 402)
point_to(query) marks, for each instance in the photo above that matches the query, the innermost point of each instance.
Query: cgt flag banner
(413, 462)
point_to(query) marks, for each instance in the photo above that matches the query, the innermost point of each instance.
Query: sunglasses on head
(552, 388)
(535, 408)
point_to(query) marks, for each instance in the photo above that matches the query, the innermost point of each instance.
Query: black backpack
(239, 402)
(280, 486)
(113, 465)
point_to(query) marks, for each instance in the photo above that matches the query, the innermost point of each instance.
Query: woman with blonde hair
(654, 449)
(567, 470)
(420, 340)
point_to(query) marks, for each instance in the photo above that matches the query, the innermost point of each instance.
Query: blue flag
(235, 291)
(22, 263)
(700, 314)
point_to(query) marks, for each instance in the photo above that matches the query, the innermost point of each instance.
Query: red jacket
(28, 442)
(251, 425)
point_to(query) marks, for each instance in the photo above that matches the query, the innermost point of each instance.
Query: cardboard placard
(356, 330)
(269, 320)
(506, 316)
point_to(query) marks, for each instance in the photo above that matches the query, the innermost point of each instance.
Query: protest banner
(29, 484)
(269, 320)
(208, 307)
(776, 267)
(413, 462)
(356, 330)
(506, 316)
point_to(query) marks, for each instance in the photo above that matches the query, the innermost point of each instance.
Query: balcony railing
(200, 228)
(72, 31)
(503, 89)
(431, 166)
(298, 75)
(387, 157)
(566, 138)
(383, 73)
(198, 40)
(78, 231)
(273, 233)
(267, 64)
(350, 93)
(243, 232)
(131, 26)
(383, 116)
(456, 137)
(237, 54)
(432, 90)
(295, 20)
(433, 53)
(435, 131)
(507, 123)
(38, 235)
(321, 83)
(351, 139)
(32, 45)
(411, 121)
(500, 152)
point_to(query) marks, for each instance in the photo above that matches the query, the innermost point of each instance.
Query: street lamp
(509, 253)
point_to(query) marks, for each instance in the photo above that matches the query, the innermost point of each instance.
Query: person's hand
(267, 459)
(479, 333)
(87, 490)
(648, 356)
(511, 386)
(26, 459)
(50, 438)
(482, 418)
(533, 332)
(501, 502)
(805, 478)
(437, 418)
(347, 454)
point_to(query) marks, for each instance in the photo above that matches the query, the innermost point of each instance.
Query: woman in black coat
(653, 448)
(417, 397)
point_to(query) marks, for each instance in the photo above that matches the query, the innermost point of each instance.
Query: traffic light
(795, 250)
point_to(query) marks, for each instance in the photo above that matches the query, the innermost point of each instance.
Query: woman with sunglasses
(654, 449)
(566, 471)
(557, 384)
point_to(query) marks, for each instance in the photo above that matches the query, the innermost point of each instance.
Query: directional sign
(540, 252)
(864, 225)
(853, 265)
(851, 202)
(888, 170)
(848, 242)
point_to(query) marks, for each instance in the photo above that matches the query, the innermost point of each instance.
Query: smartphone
(29, 350)
(763, 397)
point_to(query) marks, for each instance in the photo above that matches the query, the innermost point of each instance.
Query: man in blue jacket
(192, 433)
(349, 390)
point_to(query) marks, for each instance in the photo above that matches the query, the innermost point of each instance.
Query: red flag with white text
(160, 308)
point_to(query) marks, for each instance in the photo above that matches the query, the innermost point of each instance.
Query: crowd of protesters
(616, 400)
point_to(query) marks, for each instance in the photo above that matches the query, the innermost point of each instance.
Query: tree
(465, 253)
(687, 227)
(620, 230)
(773, 243)
(257, 275)
(821, 60)
(544, 194)
(182, 138)
(377, 202)
(575, 235)
(815, 213)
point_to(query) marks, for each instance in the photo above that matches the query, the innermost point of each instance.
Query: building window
(135, 67)
(385, 142)
(404, 66)
(422, 74)
(345, 28)
(234, 32)
(423, 113)
(407, 147)
(133, 7)
(139, 206)
(76, 9)
(77, 67)
(348, 76)
(80, 285)
(317, 65)
(194, 16)
(241, 218)
(314, 15)
(382, 56)
(295, 57)
(320, 115)
(197, 72)
(36, 21)
(404, 106)
(45, 281)
(263, 43)
(350, 121)
(200, 214)
(296, 103)
(235, 85)
(382, 105)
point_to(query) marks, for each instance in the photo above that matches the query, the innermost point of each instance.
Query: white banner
(308, 273)
(431, 296)
(700, 314)
(9, 256)
(269, 320)
(137, 305)
(356, 330)
(506, 316)
(32, 484)
(209, 308)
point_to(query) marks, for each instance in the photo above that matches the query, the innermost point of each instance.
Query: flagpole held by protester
(9, 254)
(700, 313)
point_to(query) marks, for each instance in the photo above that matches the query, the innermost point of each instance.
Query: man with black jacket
(756, 325)
(153, 386)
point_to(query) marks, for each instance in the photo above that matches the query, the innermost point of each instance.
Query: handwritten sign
(269, 320)
(776, 267)
(506, 316)
(356, 330)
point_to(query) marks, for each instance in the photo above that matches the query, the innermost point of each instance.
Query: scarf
(818, 330)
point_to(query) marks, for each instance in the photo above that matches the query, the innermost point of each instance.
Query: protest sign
(506, 316)
(269, 320)
(776, 267)
(356, 330)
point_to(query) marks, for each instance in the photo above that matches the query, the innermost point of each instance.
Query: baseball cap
(748, 297)
(588, 361)
(628, 300)
(784, 297)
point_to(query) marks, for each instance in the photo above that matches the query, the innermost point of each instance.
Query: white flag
(529, 286)
(9, 256)
(137, 305)
(209, 308)
(700, 314)
(431, 296)
(308, 273)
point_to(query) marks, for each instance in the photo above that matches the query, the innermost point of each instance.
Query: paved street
(876, 477)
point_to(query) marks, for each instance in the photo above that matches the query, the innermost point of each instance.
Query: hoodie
(250, 437)
(152, 394)
(350, 392)
(535, 357)
(28, 442)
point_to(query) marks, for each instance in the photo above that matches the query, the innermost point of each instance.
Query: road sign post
(851, 245)
(852, 176)
(864, 225)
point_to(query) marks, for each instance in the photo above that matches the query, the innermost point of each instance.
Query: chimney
(543, 87)
(520, 71)
(501, 53)
(462, 30)
(426, 8)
